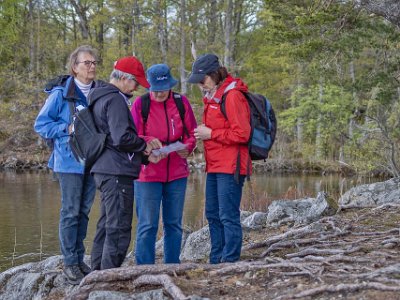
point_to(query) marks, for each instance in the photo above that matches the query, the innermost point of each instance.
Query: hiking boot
(85, 269)
(73, 273)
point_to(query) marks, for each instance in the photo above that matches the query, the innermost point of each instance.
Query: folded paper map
(168, 149)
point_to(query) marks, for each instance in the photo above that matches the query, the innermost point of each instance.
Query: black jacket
(123, 153)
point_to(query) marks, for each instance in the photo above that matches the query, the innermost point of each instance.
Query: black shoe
(73, 273)
(85, 269)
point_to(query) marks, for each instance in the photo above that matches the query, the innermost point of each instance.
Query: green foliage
(330, 69)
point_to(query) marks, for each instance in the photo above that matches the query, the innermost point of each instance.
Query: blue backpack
(263, 125)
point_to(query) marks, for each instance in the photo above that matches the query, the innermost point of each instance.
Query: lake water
(30, 203)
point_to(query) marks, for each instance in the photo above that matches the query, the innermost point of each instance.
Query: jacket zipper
(166, 118)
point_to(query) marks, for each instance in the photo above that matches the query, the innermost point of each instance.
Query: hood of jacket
(228, 84)
(67, 84)
(102, 89)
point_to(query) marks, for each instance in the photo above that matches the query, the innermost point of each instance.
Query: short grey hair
(73, 58)
(117, 74)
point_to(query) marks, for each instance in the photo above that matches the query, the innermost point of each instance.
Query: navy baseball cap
(202, 66)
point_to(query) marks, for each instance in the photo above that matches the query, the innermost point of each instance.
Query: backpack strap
(145, 110)
(71, 105)
(178, 102)
(237, 171)
(181, 108)
(222, 105)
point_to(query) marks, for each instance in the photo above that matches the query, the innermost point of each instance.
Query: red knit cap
(133, 66)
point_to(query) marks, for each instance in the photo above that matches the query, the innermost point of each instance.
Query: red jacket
(165, 124)
(228, 137)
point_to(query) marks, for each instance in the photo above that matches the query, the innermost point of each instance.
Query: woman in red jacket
(165, 181)
(226, 153)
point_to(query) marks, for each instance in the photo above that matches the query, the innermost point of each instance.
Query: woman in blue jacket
(76, 184)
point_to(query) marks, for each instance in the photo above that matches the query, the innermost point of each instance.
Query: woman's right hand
(153, 144)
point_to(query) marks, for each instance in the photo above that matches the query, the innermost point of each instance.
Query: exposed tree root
(163, 280)
(330, 253)
(345, 288)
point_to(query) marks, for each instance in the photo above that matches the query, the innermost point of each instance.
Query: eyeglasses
(88, 63)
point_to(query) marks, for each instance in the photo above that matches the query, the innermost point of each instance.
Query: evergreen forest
(331, 68)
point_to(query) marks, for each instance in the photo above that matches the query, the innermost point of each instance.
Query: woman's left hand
(202, 132)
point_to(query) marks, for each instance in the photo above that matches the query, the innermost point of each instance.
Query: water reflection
(30, 203)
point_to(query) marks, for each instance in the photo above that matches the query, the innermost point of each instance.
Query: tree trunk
(161, 29)
(228, 31)
(212, 23)
(136, 27)
(83, 21)
(318, 135)
(31, 41)
(353, 82)
(100, 31)
(183, 48)
(236, 27)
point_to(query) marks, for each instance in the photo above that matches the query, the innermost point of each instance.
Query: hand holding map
(168, 149)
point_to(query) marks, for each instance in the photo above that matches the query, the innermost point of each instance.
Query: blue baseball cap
(202, 66)
(160, 78)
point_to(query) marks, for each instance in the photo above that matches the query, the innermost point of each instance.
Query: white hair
(117, 74)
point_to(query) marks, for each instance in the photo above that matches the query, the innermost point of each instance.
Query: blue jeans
(77, 195)
(223, 197)
(149, 196)
(113, 232)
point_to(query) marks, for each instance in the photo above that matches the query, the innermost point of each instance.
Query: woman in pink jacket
(165, 181)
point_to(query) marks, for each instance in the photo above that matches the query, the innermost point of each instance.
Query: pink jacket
(165, 124)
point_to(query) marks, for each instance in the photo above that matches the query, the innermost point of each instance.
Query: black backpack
(263, 125)
(178, 102)
(86, 142)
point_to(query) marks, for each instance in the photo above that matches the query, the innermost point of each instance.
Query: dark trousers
(77, 195)
(113, 232)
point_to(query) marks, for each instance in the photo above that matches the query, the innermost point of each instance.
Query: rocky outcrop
(374, 194)
(34, 280)
(300, 211)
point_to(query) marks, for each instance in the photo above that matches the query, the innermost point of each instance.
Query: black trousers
(113, 232)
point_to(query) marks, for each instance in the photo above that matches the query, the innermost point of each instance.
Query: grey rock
(160, 243)
(374, 194)
(197, 246)
(255, 221)
(151, 295)
(244, 214)
(109, 295)
(300, 211)
(35, 280)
